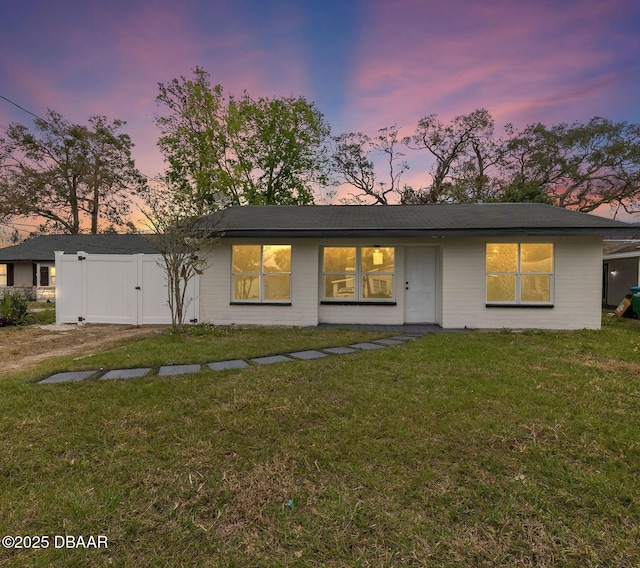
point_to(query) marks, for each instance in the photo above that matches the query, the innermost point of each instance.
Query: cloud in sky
(524, 61)
(365, 63)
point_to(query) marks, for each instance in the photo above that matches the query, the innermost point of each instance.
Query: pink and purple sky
(366, 64)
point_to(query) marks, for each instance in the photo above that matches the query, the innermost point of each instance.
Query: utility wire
(156, 180)
(21, 108)
(15, 226)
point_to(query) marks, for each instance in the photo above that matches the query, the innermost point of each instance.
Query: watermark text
(54, 541)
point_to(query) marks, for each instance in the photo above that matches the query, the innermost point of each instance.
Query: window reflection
(358, 273)
(261, 273)
(519, 273)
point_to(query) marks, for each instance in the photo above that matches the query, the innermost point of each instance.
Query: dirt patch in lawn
(24, 347)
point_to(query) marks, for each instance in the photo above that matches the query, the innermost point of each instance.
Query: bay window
(519, 273)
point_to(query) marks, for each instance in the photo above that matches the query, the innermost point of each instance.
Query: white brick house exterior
(439, 266)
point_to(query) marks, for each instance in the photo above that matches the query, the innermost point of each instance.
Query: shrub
(14, 309)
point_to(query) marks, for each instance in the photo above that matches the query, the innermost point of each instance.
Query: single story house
(456, 265)
(30, 266)
(620, 270)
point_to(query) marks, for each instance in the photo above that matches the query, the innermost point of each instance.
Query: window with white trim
(3, 274)
(261, 273)
(358, 274)
(519, 273)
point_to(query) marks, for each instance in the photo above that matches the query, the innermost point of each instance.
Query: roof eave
(621, 255)
(417, 233)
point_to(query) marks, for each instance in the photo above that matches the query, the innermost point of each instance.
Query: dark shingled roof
(42, 248)
(409, 221)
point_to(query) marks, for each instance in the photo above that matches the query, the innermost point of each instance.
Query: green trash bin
(635, 301)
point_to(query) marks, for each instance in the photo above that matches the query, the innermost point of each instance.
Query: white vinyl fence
(116, 288)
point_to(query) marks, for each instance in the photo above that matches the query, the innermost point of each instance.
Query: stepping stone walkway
(170, 370)
(174, 370)
(125, 374)
(308, 355)
(339, 350)
(67, 377)
(389, 341)
(224, 365)
(271, 359)
(367, 346)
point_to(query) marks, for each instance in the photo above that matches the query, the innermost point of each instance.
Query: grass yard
(475, 449)
(42, 313)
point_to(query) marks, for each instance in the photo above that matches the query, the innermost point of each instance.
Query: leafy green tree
(521, 191)
(70, 175)
(579, 166)
(194, 140)
(239, 151)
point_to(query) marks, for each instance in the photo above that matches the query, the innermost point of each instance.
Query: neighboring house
(458, 265)
(620, 271)
(30, 266)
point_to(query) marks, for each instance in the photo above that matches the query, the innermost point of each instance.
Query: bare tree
(179, 237)
(579, 166)
(353, 163)
(450, 144)
(476, 175)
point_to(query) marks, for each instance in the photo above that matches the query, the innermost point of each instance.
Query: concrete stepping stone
(308, 355)
(339, 350)
(67, 377)
(170, 370)
(388, 341)
(125, 374)
(223, 365)
(271, 359)
(367, 346)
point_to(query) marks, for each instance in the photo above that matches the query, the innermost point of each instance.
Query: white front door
(420, 285)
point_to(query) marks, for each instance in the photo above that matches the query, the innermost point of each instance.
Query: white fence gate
(116, 288)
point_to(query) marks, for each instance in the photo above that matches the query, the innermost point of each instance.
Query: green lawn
(475, 449)
(42, 313)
